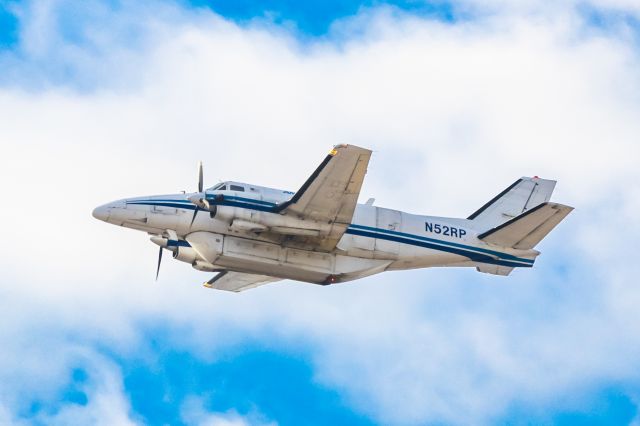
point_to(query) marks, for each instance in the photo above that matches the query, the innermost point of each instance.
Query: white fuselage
(243, 234)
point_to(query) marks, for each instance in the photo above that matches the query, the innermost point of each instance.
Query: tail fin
(523, 195)
(528, 229)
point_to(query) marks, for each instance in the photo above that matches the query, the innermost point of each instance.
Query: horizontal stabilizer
(528, 229)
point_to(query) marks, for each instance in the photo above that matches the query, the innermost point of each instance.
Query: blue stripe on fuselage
(175, 204)
(244, 205)
(212, 199)
(231, 201)
(477, 254)
(505, 256)
(476, 257)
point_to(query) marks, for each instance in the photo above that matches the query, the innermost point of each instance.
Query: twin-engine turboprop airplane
(251, 235)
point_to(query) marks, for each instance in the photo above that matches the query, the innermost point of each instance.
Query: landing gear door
(391, 222)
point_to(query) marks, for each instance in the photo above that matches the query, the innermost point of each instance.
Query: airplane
(250, 235)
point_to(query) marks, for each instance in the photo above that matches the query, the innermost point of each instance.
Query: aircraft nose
(101, 213)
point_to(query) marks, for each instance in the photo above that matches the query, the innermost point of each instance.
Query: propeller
(193, 218)
(159, 261)
(199, 199)
(200, 188)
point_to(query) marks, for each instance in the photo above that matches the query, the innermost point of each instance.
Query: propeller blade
(159, 261)
(195, 213)
(200, 178)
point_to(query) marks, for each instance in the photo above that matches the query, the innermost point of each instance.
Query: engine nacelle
(200, 200)
(248, 220)
(185, 254)
(204, 266)
(242, 219)
(161, 241)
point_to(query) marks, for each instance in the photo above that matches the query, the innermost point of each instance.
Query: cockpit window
(219, 187)
(236, 188)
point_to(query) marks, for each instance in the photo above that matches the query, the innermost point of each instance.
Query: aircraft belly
(426, 258)
(259, 257)
(291, 272)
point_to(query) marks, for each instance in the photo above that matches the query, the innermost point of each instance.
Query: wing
(238, 281)
(331, 193)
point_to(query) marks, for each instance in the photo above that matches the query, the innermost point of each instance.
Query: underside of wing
(330, 194)
(494, 269)
(238, 281)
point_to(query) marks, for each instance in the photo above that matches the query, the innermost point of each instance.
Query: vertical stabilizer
(524, 194)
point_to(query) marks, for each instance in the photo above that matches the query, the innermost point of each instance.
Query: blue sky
(310, 18)
(103, 100)
(9, 25)
(315, 17)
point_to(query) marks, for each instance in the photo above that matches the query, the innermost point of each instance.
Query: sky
(101, 100)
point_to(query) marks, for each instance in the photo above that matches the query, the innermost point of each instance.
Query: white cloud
(547, 9)
(194, 413)
(454, 112)
(37, 370)
(106, 403)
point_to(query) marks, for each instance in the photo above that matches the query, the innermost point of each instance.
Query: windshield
(218, 186)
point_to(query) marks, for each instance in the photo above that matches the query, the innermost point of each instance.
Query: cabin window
(236, 188)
